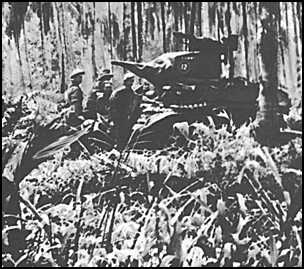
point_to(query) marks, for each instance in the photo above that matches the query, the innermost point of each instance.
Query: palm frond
(157, 119)
(60, 144)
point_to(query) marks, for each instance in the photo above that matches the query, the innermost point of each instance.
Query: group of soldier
(120, 106)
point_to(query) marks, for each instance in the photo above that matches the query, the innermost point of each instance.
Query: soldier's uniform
(124, 110)
(91, 107)
(98, 97)
(74, 98)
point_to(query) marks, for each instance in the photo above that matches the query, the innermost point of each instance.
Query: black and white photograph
(152, 134)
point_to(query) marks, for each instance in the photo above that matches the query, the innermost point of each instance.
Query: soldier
(98, 94)
(103, 100)
(124, 108)
(74, 97)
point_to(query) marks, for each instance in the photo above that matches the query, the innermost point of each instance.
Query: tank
(192, 82)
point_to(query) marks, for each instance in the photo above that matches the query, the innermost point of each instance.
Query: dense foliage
(215, 197)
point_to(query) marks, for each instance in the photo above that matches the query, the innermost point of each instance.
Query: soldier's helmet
(128, 76)
(76, 72)
(105, 75)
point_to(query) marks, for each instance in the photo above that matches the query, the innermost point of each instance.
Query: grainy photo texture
(152, 134)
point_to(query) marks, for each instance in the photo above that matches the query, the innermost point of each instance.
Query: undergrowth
(215, 197)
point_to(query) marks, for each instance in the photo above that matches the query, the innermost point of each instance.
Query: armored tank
(193, 85)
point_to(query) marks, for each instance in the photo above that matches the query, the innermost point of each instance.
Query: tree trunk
(133, 31)
(282, 47)
(59, 44)
(93, 44)
(256, 6)
(175, 6)
(125, 34)
(180, 9)
(297, 44)
(245, 31)
(199, 18)
(192, 17)
(212, 19)
(64, 52)
(20, 64)
(267, 121)
(299, 13)
(110, 28)
(186, 17)
(140, 30)
(27, 57)
(230, 53)
(41, 26)
(220, 24)
(163, 25)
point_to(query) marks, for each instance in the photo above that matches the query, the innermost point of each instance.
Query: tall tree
(64, 57)
(125, 33)
(282, 45)
(212, 7)
(93, 42)
(267, 122)
(186, 16)
(192, 17)
(299, 13)
(140, 30)
(42, 31)
(163, 25)
(245, 31)
(176, 13)
(27, 56)
(199, 18)
(230, 53)
(133, 26)
(110, 28)
(297, 45)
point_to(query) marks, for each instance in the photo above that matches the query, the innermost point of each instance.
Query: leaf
(142, 143)
(103, 133)
(195, 256)
(221, 206)
(60, 144)
(21, 259)
(14, 160)
(158, 118)
(223, 114)
(268, 159)
(167, 261)
(141, 135)
(102, 142)
(241, 201)
(211, 122)
(228, 252)
(183, 128)
(137, 130)
(273, 251)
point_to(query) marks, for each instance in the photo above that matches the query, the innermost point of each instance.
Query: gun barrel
(139, 69)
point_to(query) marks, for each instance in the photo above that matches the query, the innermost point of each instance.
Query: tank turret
(169, 68)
